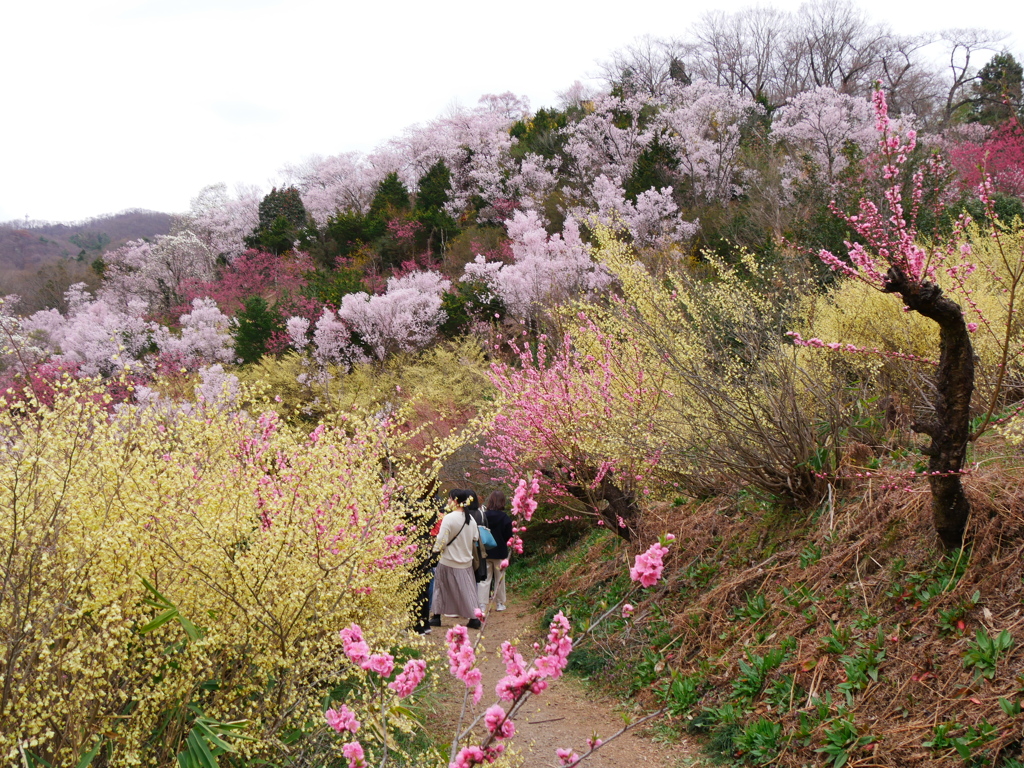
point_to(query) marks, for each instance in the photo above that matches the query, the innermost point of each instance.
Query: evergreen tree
(997, 93)
(431, 196)
(254, 326)
(282, 219)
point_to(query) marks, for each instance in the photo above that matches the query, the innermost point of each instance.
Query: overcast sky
(114, 104)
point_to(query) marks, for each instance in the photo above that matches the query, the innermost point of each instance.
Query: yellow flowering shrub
(158, 567)
(731, 399)
(859, 314)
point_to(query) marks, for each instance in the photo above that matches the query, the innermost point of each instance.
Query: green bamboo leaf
(159, 621)
(86, 759)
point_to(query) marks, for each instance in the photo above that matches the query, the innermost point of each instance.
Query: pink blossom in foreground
(470, 756)
(410, 676)
(648, 566)
(503, 564)
(523, 502)
(550, 664)
(353, 751)
(567, 757)
(627, 610)
(462, 660)
(342, 720)
(498, 723)
(355, 647)
(381, 663)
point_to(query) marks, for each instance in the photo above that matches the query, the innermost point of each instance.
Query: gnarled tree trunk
(954, 385)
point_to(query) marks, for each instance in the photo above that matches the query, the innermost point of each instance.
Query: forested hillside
(744, 317)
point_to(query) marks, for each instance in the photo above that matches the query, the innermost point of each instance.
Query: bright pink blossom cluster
(566, 757)
(353, 752)
(523, 502)
(383, 664)
(342, 720)
(648, 566)
(550, 664)
(462, 660)
(470, 756)
(410, 676)
(498, 723)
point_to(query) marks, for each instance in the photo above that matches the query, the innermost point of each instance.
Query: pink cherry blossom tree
(101, 338)
(653, 221)
(703, 125)
(154, 273)
(222, 221)
(820, 124)
(892, 259)
(405, 318)
(546, 270)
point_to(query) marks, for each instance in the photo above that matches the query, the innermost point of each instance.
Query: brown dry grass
(873, 544)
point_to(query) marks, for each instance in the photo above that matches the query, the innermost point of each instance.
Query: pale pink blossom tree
(102, 338)
(222, 221)
(547, 269)
(154, 272)
(653, 221)
(344, 182)
(405, 318)
(702, 124)
(205, 336)
(820, 124)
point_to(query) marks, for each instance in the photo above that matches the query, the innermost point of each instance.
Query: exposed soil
(565, 715)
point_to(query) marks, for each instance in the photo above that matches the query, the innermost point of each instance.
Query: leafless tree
(964, 47)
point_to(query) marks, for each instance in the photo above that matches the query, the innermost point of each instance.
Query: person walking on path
(500, 524)
(455, 591)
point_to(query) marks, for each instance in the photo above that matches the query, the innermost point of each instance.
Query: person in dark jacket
(501, 528)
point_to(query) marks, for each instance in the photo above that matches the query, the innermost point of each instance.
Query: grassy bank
(840, 637)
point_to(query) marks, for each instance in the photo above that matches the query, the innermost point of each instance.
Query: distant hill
(29, 245)
(39, 260)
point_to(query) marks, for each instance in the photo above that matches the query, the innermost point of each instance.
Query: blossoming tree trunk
(954, 384)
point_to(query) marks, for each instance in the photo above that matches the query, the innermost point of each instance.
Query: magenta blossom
(648, 566)
(627, 610)
(410, 676)
(498, 722)
(353, 751)
(566, 757)
(381, 663)
(342, 720)
(356, 648)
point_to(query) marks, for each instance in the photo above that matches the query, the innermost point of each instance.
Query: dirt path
(566, 714)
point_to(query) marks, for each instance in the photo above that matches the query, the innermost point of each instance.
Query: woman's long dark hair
(466, 499)
(495, 501)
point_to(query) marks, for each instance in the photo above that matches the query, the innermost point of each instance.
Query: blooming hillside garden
(738, 339)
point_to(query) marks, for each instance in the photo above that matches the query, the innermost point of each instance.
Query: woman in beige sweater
(454, 582)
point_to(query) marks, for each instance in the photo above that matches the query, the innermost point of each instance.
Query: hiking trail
(563, 716)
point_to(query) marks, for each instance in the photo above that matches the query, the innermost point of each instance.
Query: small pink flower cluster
(566, 757)
(498, 722)
(353, 752)
(410, 676)
(342, 720)
(470, 756)
(358, 652)
(627, 610)
(550, 664)
(462, 660)
(523, 503)
(648, 566)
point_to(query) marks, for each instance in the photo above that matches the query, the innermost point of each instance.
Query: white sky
(114, 104)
